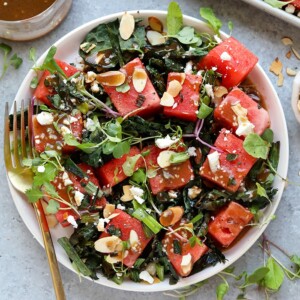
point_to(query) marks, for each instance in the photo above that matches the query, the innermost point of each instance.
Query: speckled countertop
(24, 271)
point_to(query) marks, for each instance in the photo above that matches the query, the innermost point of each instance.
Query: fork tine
(30, 137)
(7, 153)
(15, 137)
(23, 142)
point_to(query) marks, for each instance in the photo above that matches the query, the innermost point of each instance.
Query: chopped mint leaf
(207, 14)
(34, 194)
(121, 148)
(16, 61)
(34, 82)
(256, 146)
(255, 277)
(174, 18)
(261, 191)
(204, 111)
(129, 164)
(222, 290)
(52, 207)
(274, 278)
(32, 54)
(231, 157)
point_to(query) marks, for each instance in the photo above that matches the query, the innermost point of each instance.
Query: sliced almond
(288, 54)
(133, 239)
(127, 25)
(171, 216)
(220, 91)
(127, 193)
(116, 258)
(174, 88)
(180, 77)
(296, 53)
(276, 66)
(109, 244)
(186, 264)
(139, 79)
(113, 216)
(280, 80)
(155, 24)
(108, 210)
(167, 100)
(155, 38)
(111, 78)
(287, 41)
(163, 159)
(291, 72)
(99, 57)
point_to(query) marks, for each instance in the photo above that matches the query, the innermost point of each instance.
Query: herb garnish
(14, 60)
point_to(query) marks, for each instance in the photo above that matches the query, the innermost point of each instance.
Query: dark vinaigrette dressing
(15, 10)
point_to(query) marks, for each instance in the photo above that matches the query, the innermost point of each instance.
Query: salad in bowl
(156, 148)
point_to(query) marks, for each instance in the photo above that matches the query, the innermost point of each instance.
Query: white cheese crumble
(78, 196)
(172, 194)
(144, 275)
(165, 142)
(186, 260)
(209, 90)
(225, 56)
(245, 126)
(65, 130)
(191, 151)
(45, 118)
(41, 169)
(137, 194)
(188, 67)
(72, 221)
(213, 161)
(101, 224)
(121, 207)
(89, 124)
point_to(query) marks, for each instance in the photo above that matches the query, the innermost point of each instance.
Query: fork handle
(50, 251)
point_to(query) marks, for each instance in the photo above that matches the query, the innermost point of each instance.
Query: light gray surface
(23, 267)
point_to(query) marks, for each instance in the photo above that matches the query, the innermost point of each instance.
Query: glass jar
(37, 26)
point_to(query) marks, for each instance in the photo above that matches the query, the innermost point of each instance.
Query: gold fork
(22, 177)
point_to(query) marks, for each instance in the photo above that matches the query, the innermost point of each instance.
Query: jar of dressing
(22, 20)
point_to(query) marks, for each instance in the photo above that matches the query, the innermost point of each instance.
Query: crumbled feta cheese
(191, 151)
(68, 182)
(165, 142)
(78, 196)
(95, 87)
(244, 128)
(101, 224)
(121, 207)
(186, 260)
(72, 119)
(144, 275)
(72, 221)
(65, 130)
(213, 161)
(45, 118)
(225, 56)
(209, 90)
(194, 191)
(89, 124)
(214, 69)
(172, 194)
(188, 67)
(137, 194)
(41, 169)
(90, 76)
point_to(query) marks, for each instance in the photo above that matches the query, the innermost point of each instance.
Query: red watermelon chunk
(228, 223)
(126, 223)
(46, 137)
(232, 60)
(196, 252)
(77, 185)
(41, 92)
(112, 172)
(231, 173)
(146, 101)
(187, 101)
(296, 3)
(173, 177)
(257, 115)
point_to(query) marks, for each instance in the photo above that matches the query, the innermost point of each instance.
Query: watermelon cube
(232, 59)
(231, 172)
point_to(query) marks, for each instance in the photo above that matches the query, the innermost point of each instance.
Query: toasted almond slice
(296, 53)
(174, 88)
(291, 72)
(112, 216)
(109, 244)
(127, 24)
(171, 216)
(164, 157)
(287, 41)
(167, 100)
(111, 78)
(99, 57)
(133, 238)
(127, 193)
(139, 79)
(155, 24)
(288, 54)
(155, 38)
(114, 259)
(108, 210)
(186, 264)
(276, 66)
(280, 80)
(220, 91)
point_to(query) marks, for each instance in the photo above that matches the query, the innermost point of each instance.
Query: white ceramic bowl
(68, 51)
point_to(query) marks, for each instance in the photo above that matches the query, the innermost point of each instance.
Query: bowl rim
(248, 242)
